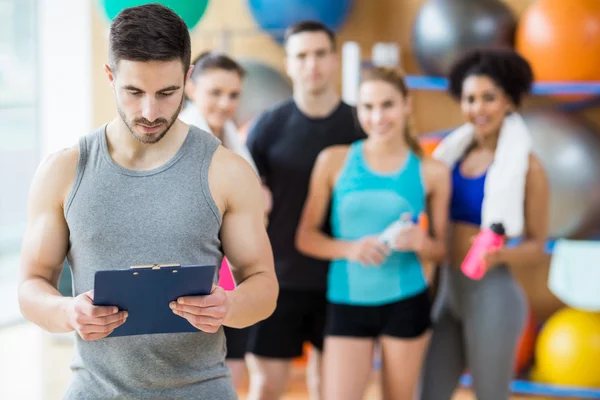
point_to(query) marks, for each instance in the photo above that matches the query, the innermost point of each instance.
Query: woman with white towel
(214, 91)
(496, 179)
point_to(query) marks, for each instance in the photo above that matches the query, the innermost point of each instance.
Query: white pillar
(65, 54)
(350, 72)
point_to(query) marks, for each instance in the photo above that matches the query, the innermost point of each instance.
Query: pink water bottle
(225, 278)
(488, 239)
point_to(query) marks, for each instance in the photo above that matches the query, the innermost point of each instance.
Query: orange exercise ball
(568, 349)
(561, 39)
(429, 143)
(526, 345)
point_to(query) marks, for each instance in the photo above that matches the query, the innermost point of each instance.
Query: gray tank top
(119, 217)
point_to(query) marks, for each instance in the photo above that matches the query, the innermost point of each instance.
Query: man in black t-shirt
(285, 142)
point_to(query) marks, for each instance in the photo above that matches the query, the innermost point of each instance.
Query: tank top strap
(356, 151)
(353, 158)
(357, 155)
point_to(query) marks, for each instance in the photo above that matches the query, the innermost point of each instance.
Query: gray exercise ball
(444, 29)
(569, 150)
(263, 87)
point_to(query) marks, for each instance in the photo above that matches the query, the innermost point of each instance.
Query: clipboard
(145, 291)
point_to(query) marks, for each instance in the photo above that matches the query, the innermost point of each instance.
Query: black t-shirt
(285, 143)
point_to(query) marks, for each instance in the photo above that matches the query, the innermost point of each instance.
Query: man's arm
(45, 244)
(247, 248)
(257, 142)
(43, 253)
(237, 192)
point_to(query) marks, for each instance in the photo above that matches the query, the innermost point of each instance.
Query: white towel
(504, 189)
(231, 139)
(575, 274)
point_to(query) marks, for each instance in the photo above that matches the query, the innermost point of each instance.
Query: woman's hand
(492, 258)
(368, 251)
(411, 238)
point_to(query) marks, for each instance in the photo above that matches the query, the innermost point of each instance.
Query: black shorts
(407, 318)
(237, 342)
(298, 318)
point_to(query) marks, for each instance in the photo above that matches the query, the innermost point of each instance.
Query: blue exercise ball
(444, 29)
(274, 16)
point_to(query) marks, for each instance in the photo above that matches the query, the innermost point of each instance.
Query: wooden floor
(35, 366)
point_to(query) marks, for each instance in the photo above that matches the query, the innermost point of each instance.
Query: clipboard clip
(154, 266)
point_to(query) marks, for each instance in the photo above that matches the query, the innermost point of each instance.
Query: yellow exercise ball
(568, 349)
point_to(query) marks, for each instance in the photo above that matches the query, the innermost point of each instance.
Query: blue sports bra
(467, 197)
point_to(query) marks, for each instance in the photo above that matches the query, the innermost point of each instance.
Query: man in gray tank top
(145, 189)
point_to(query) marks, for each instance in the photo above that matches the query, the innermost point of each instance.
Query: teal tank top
(364, 203)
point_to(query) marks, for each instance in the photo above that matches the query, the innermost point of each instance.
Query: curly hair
(505, 67)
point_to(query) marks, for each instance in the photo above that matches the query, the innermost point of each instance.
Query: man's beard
(153, 138)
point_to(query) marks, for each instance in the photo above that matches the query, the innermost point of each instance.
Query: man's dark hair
(309, 26)
(504, 66)
(151, 32)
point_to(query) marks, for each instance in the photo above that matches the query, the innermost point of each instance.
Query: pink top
(225, 278)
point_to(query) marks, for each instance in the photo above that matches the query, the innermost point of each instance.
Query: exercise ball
(191, 11)
(274, 16)
(526, 345)
(569, 150)
(429, 142)
(561, 39)
(444, 29)
(568, 349)
(263, 87)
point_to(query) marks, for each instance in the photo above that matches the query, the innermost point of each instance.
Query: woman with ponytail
(377, 290)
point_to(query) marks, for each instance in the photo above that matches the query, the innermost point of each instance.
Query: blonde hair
(396, 79)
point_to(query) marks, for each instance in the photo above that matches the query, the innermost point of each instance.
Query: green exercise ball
(191, 11)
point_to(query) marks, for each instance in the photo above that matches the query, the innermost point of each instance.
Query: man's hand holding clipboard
(93, 322)
(206, 313)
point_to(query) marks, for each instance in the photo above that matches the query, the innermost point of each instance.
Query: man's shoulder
(60, 161)
(230, 175)
(347, 108)
(201, 134)
(282, 107)
(56, 173)
(346, 118)
(278, 112)
(270, 120)
(228, 164)
(95, 135)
